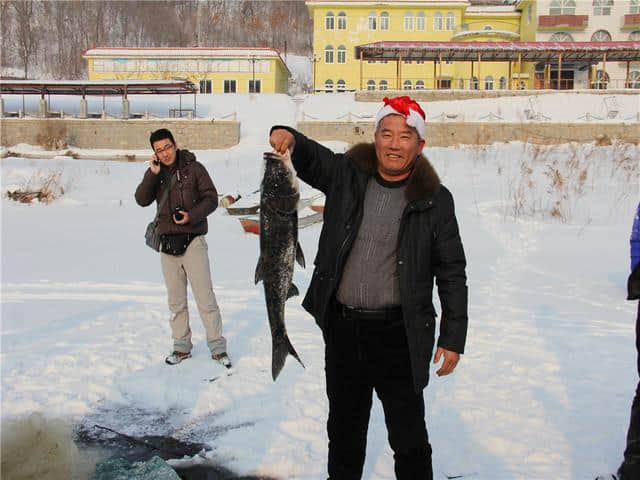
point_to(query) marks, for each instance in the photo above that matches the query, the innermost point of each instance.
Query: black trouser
(366, 351)
(630, 468)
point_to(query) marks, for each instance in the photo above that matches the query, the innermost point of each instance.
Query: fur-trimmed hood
(423, 181)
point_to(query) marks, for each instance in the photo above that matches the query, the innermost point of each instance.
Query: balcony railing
(631, 21)
(575, 22)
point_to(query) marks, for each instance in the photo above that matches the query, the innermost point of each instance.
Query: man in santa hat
(389, 230)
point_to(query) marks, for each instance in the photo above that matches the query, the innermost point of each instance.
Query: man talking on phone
(182, 224)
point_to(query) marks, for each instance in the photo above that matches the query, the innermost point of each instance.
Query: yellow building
(340, 26)
(213, 70)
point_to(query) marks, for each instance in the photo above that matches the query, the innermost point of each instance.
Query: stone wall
(117, 134)
(445, 134)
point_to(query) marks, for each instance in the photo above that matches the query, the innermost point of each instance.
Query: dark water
(112, 444)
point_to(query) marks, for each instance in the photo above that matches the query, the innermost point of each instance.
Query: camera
(176, 213)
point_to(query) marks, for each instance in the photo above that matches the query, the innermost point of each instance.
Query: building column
(83, 108)
(125, 107)
(43, 108)
(559, 71)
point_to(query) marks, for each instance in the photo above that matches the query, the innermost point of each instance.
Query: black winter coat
(429, 246)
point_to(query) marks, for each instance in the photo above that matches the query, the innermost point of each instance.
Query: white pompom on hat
(409, 109)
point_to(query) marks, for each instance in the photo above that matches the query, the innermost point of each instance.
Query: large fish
(279, 249)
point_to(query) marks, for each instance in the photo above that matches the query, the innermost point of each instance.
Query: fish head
(279, 175)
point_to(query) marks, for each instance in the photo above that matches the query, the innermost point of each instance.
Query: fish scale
(279, 250)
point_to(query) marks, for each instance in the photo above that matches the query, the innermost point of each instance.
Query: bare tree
(27, 35)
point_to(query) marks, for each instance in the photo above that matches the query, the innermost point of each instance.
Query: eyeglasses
(166, 148)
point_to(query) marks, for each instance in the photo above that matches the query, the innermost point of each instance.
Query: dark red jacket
(193, 190)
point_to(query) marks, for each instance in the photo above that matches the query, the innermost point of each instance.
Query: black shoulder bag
(151, 236)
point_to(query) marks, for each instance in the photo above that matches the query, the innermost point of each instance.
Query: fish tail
(281, 348)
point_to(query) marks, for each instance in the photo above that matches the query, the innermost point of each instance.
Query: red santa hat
(409, 109)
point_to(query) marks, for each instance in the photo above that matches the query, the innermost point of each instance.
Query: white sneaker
(222, 358)
(176, 357)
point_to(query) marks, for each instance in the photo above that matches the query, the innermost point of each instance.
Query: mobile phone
(155, 160)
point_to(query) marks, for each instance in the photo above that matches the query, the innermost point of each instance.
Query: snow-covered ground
(543, 391)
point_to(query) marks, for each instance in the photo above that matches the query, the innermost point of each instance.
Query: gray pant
(192, 266)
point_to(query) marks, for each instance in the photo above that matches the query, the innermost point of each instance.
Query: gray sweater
(369, 279)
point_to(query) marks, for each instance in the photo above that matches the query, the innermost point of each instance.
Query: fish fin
(281, 348)
(293, 291)
(300, 255)
(259, 273)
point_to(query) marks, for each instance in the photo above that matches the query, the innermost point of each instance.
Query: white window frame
(407, 85)
(602, 7)
(634, 6)
(329, 21)
(342, 21)
(328, 54)
(342, 54)
(437, 22)
(450, 21)
(634, 36)
(328, 85)
(383, 85)
(227, 83)
(420, 22)
(385, 21)
(408, 21)
(207, 84)
(98, 65)
(561, 37)
(562, 7)
(503, 83)
(488, 82)
(419, 84)
(252, 85)
(371, 85)
(372, 20)
(341, 86)
(634, 79)
(600, 33)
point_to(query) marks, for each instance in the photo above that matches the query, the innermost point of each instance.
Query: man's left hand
(451, 359)
(185, 218)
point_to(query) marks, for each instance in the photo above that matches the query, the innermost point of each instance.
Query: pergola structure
(551, 53)
(103, 88)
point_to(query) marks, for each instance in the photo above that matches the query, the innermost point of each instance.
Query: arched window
(408, 20)
(561, 37)
(328, 54)
(341, 86)
(342, 21)
(451, 21)
(420, 21)
(342, 54)
(503, 83)
(602, 80)
(488, 82)
(328, 86)
(371, 85)
(437, 21)
(474, 83)
(634, 79)
(384, 21)
(406, 85)
(328, 21)
(420, 85)
(562, 7)
(601, 36)
(634, 36)
(383, 84)
(488, 27)
(372, 20)
(602, 7)
(634, 7)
